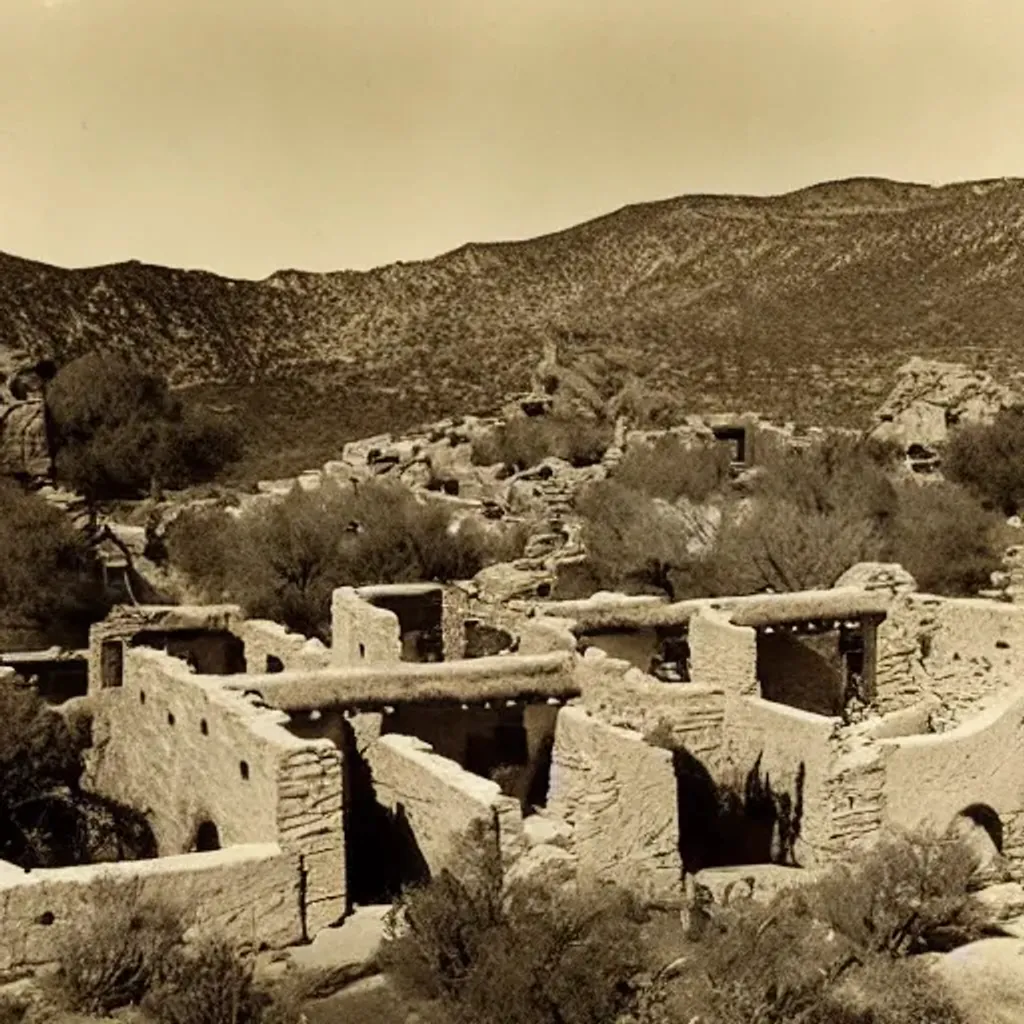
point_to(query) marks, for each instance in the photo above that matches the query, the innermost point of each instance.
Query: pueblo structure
(287, 781)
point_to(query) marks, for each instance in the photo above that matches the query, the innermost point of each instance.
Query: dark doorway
(210, 652)
(207, 838)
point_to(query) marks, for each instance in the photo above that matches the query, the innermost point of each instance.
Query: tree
(49, 579)
(988, 459)
(120, 432)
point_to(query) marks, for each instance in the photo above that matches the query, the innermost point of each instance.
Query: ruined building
(287, 781)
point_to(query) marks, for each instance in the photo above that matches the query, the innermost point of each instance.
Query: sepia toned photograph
(511, 513)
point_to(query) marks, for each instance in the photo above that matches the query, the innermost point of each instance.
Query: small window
(362, 650)
(111, 664)
(243, 767)
(142, 696)
(274, 663)
(203, 727)
(170, 718)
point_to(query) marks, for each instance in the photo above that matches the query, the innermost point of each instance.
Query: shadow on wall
(723, 824)
(382, 856)
(805, 672)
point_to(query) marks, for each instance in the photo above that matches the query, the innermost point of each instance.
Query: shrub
(283, 559)
(670, 469)
(120, 432)
(988, 459)
(115, 951)
(484, 952)
(49, 579)
(524, 441)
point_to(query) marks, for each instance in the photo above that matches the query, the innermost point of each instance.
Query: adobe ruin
(288, 781)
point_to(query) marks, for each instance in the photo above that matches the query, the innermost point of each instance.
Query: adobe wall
(186, 749)
(963, 650)
(439, 800)
(619, 794)
(361, 633)
(620, 695)
(786, 743)
(248, 893)
(930, 779)
(265, 640)
(722, 655)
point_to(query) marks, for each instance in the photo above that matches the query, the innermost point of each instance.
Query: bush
(524, 441)
(120, 433)
(485, 953)
(116, 951)
(283, 559)
(671, 469)
(50, 582)
(988, 459)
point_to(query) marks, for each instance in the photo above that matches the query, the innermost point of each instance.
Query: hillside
(799, 305)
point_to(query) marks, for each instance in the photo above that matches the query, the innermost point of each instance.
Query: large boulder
(985, 980)
(24, 446)
(889, 576)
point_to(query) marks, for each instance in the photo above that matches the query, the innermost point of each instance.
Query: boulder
(889, 576)
(548, 866)
(24, 447)
(985, 980)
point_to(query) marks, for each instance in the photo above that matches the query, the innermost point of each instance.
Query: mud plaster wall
(439, 800)
(246, 773)
(362, 633)
(933, 778)
(264, 639)
(785, 738)
(619, 794)
(964, 651)
(249, 893)
(618, 694)
(722, 655)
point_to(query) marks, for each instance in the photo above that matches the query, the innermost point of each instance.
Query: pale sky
(243, 136)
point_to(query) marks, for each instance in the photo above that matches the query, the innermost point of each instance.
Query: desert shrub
(283, 559)
(486, 953)
(120, 432)
(670, 468)
(14, 1009)
(944, 538)
(115, 951)
(524, 441)
(988, 459)
(49, 579)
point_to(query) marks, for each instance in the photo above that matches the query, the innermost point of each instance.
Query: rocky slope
(799, 305)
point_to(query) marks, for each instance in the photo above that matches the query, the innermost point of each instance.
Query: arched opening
(207, 837)
(984, 817)
(274, 664)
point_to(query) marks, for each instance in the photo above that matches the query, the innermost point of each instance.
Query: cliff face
(775, 303)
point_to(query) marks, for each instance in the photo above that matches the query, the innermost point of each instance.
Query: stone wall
(248, 893)
(619, 794)
(620, 695)
(930, 779)
(964, 651)
(186, 750)
(439, 801)
(787, 745)
(361, 633)
(268, 643)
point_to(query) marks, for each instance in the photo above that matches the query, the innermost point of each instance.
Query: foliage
(46, 819)
(988, 459)
(483, 952)
(281, 560)
(524, 441)
(670, 468)
(120, 432)
(49, 579)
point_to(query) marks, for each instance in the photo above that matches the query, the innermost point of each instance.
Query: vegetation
(126, 950)
(807, 517)
(671, 469)
(988, 459)
(473, 948)
(119, 432)
(524, 441)
(46, 818)
(50, 583)
(281, 560)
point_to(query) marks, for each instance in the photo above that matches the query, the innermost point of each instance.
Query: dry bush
(524, 441)
(14, 1009)
(989, 460)
(113, 953)
(480, 952)
(670, 468)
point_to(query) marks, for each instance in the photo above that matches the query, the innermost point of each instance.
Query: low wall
(963, 650)
(439, 801)
(362, 633)
(930, 779)
(723, 655)
(795, 753)
(268, 642)
(185, 750)
(619, 794)
(249, 893)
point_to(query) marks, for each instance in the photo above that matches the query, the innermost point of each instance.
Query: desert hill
(800, 305)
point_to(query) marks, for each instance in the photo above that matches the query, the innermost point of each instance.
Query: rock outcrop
(24, 446)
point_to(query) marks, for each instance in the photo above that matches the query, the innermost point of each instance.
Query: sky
(245, 136)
